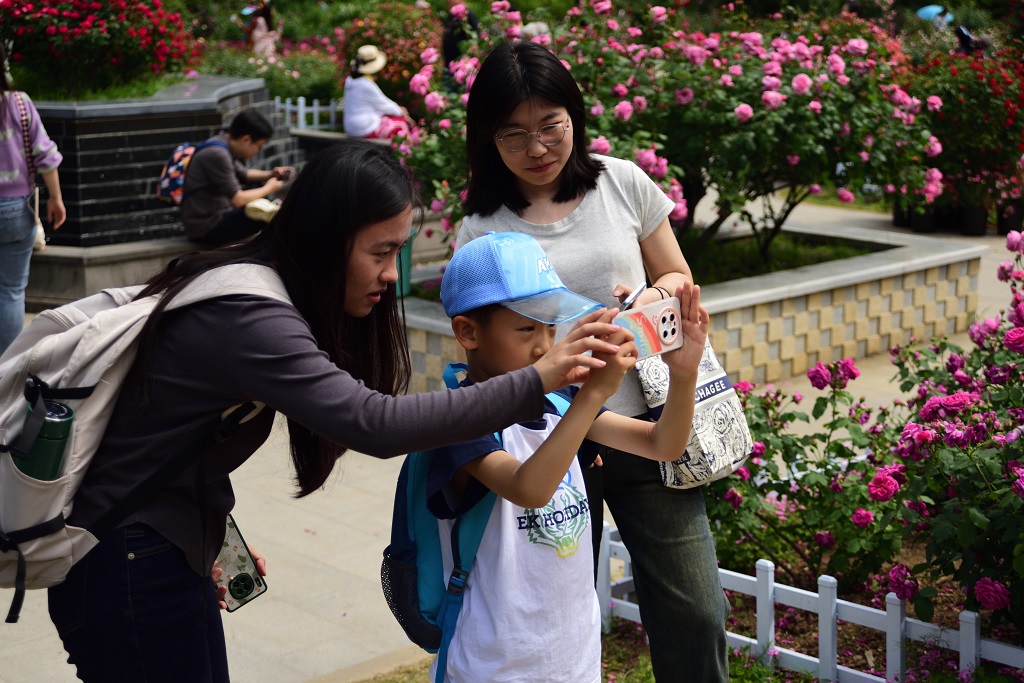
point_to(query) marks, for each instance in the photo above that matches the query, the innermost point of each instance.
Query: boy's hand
(565, 363)
(694, 321)
(605, 381)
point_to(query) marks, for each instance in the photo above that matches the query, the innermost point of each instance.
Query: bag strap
(171, 468)
(26, 137)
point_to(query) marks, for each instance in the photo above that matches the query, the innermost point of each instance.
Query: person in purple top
(141, 606)
(21, 130)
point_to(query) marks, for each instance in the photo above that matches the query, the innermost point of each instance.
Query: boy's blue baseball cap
(510, 269)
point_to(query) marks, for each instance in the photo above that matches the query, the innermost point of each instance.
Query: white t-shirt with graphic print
(530, 612)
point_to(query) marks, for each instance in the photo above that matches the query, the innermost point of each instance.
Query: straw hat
(369, 60)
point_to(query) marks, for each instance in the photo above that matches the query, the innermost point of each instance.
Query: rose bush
(979, 123)
(735, 111)
(943, 469)
(811, 500)
(92, 45)
(959, 441)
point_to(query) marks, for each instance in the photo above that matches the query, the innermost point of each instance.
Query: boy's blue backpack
(425, 602)
(172, 178)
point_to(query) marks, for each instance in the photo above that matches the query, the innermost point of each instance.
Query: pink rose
(623, 110)
(744, 112)
(600, 145)
(444, 124)
(436, 205)
(459, 11)
(420, 83)
(639, 103)
(434, 102)
(934, 103)
(1014, 339)
(602, 7)
(844, 195)
(771, 83)
(736, 70)
(815, 107)
(500, 7)
(802, 84)
(883, 488)
(793, 159)
(758, 449)
(1015, 241)
(825, 539)
(820, 376)
(430, 55)
(658, 14)
(726, 80)
(680, 212)
(857, 46)
(684, 96)
(991, 594)
(862, 518)
(772, 99)
(772, 68)
(836, 64)
(933, 147)
(901, 583)
(619, 90)
(733, 498)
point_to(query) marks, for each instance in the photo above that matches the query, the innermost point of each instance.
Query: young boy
(530, 612)
(213, 201)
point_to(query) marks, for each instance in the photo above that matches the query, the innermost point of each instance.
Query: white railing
(322, 116)
(893, 621)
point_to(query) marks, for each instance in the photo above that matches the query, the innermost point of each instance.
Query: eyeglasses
(518, 140)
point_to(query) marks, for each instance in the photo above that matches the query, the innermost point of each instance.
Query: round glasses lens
(517, 141)
(552, 135)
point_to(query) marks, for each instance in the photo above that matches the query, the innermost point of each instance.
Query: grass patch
(43, 90)
(724, 260)
(863, 201)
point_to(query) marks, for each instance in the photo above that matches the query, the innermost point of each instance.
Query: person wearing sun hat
(369, 113)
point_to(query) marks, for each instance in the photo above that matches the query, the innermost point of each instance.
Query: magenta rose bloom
(991, 594)
(744, 112)
(820, 376)
(1014, 339)
(733, 498)
(862, 518)
(883, 488)
(901, 583)
(825, 539)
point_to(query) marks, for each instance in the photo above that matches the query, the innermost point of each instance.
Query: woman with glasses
(604, 225)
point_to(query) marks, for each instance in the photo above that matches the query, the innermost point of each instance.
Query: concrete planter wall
(117, 231)
(771, 327)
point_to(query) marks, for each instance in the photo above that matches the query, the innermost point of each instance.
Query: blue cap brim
(554, 306)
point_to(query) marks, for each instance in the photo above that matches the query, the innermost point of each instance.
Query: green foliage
(307, 72)
(645, 77)
(90, 45)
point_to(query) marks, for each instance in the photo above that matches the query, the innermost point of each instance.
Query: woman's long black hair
(512, 73)
(341, 191)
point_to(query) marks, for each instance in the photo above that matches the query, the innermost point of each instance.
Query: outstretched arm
(532, 483)
(666, 439)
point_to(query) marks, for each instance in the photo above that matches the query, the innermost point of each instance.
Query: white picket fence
(893, 621)
(323, 116)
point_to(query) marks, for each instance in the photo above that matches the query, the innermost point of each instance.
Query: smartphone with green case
(243, 581)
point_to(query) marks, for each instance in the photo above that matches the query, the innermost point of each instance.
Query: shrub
(91, 45)
(302, 70)
(699, 110)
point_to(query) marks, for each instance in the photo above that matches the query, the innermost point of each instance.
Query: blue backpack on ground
(171, 186)
(425, 602)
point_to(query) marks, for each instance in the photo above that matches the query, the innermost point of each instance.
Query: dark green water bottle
(47, 454)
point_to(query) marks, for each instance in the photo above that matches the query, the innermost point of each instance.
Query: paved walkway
(324, 618)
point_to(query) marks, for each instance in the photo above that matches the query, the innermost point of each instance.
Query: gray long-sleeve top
(222, 352)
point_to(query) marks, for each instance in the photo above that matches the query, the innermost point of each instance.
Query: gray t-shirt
(216, 354)
(596, 246)
(212, 178)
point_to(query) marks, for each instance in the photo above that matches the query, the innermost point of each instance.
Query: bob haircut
(512, 73)
(343, 190)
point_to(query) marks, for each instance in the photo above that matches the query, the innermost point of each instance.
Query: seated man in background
(213, 204)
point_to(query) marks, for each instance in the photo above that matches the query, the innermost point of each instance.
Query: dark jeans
(232, 227)
(675, 569)
(133, 610)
